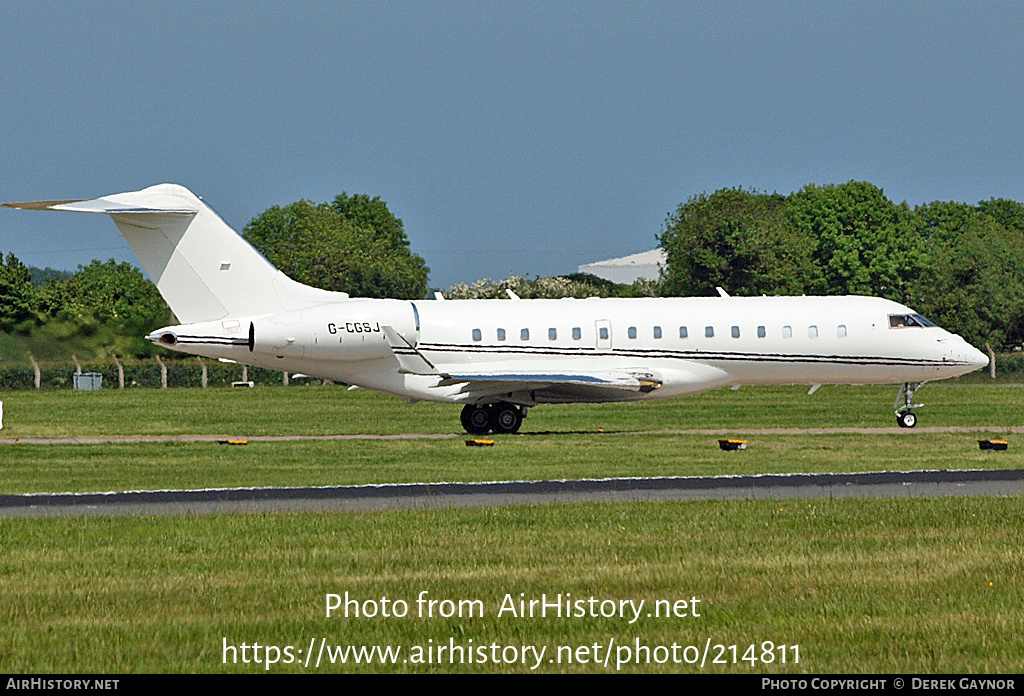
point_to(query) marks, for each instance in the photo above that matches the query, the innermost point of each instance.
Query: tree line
(960, 265)
(104, 309)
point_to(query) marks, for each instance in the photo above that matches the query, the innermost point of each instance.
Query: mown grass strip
(333, 410)
(905, 585)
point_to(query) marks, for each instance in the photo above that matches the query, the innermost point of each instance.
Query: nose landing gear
(906, 418)
(499, 418)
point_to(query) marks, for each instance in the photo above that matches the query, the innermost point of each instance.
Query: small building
(646, 265)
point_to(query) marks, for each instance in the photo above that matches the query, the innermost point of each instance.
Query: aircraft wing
(481, 380)
(628, 380)
(551, 386)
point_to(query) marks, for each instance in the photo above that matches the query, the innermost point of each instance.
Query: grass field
(860, 586)
(907, 585)
(334, 410)
(556, 441)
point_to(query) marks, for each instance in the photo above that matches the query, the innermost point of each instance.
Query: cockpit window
(900, 321)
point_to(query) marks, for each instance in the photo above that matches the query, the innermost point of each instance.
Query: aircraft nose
(960, 352)
(975, 357)
(965, 353)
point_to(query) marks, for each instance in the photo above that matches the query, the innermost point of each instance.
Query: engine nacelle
(338, 331)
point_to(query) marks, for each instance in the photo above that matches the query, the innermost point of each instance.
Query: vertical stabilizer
(202, 268)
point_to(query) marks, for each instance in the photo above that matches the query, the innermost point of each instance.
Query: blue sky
(509, 137)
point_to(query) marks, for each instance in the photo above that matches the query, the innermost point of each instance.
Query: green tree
(1009, 214)
(110, 292)
(106, 307)
(738, 240)
(353, 245)
(864, 244)
(961, 265)
(17, 294)
(974, 282)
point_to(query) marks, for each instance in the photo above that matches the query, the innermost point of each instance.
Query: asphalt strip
(131, 439)
(452, 495)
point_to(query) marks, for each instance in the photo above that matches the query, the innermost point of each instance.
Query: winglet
(410, 360)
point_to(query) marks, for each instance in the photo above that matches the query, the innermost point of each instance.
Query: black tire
(476, 420)
(906, 419)
(505, 418)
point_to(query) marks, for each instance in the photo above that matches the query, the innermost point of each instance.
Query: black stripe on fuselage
(689, 355)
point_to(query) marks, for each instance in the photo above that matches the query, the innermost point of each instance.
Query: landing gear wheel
(906, 419)
(476, 420)
(505, 418)
(904, 416)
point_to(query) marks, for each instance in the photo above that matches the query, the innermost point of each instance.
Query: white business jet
(500, 357)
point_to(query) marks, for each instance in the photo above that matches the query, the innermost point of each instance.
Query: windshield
(899, 321)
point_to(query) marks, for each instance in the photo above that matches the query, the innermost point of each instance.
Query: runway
(888, 484)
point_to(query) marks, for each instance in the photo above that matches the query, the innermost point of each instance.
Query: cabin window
(477, 336)
(812, 331)
(682, 332)
(632, 332)
(577, 334)
(602, 333)
(709, 332)
(787, 332)
(735, 331)
(501, 334)
(841, 331)
(524, 334)
(552, 334)
(657, 332)
(761, 333)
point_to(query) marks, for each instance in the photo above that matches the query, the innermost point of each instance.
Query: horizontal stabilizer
(38, 205)
(118, 203)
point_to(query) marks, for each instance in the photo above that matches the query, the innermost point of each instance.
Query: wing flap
(608, 379)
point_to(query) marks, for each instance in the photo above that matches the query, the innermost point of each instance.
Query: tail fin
(204, 269)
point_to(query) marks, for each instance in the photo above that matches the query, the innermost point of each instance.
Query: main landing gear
(498, 418)
(905, 418)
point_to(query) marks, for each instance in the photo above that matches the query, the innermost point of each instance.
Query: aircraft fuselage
(683, 345)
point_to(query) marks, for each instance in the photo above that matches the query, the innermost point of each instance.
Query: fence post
(163, 373)
(245, 373)
(78, 368)
(203, 365)
(120, 373)
(991, 361)
(35, 369)
(285, 378)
